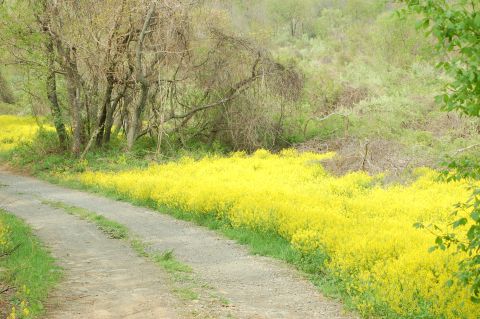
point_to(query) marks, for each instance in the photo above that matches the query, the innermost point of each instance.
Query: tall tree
(51, 80)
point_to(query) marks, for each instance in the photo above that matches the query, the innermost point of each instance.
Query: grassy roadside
(28, 271)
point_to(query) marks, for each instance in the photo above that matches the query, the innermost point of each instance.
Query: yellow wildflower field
(15, 129)
(365, 228)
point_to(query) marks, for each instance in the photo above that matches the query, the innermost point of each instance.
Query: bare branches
(321, 119)
(465, 149)
(155, 66)
(139, 50)
(7, 288)
(239, 88)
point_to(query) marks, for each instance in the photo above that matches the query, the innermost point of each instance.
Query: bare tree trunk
(74, 91)
(109, 122)
(103, 111)
(52, 95)
(136, 116)
(160, 136)
(293, 27)
(144, 86)
(111, 111)
(51, 81)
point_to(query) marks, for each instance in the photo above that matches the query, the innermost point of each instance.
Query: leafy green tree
(291, 12)
(24, 43)
(455, 25)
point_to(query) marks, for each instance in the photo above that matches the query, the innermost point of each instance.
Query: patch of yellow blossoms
(365, 228)
(15, 129)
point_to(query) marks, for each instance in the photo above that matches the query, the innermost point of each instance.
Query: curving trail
(105, 276)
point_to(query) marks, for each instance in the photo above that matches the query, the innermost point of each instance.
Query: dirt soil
(105, 279)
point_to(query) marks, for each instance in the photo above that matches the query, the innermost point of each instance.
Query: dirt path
(257, 287)
(103, 277)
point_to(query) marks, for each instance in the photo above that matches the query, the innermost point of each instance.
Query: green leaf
(460, 222)
(475, 215)
(471, 233)
(418, 225)
(477, 20)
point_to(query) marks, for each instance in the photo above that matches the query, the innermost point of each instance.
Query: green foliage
(21, 47)
(6, 108)
(469, 268)
(456, 27)
(291, 12)
(469, 272)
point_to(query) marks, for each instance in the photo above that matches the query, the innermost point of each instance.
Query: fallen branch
(465, 149)
(321, 119)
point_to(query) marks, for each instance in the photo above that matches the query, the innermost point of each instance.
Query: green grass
(30, 268)
(185, 286)
(111, 228)
(186, 293)
(170, 264)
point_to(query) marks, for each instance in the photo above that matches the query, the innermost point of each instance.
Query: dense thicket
(148, 67)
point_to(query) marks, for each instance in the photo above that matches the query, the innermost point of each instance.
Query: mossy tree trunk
(51, 84)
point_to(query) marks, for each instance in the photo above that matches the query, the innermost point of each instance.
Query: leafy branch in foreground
(469, 268)
(455, 25)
